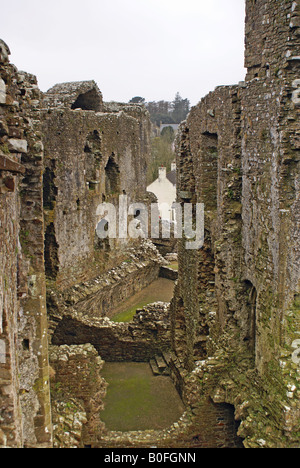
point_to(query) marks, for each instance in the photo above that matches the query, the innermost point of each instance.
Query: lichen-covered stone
(78, 392)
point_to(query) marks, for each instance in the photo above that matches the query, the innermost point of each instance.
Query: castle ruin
(230, 335)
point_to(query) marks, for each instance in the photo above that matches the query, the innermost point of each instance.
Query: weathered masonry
(61, 155)
(236, 308)
(230, 336)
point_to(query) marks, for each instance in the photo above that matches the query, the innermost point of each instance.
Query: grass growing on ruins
(136, 400)
(174, 266)
(160, 290)
(128, 314)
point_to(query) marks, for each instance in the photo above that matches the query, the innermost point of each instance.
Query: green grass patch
(160, 290)
(136, 400)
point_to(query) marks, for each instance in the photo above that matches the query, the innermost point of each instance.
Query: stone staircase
(160, 364)
(168, 364)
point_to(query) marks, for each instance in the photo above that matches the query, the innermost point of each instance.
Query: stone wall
(234, 322)
(239, 155)
(25, 416)
(138, 341)
(77, 394)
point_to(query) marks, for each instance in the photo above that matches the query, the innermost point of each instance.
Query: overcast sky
(149, 48)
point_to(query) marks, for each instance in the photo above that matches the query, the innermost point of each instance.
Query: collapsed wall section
(83, 95)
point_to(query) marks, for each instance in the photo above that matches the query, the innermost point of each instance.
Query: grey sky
(149, 48)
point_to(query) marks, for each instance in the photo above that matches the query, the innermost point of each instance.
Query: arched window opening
(112, 177)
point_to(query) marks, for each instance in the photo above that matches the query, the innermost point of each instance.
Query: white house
(165, 190)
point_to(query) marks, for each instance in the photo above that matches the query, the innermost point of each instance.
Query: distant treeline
(165, 112)
(162, 153)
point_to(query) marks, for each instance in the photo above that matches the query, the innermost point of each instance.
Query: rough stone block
(2, 92)
(17, 146)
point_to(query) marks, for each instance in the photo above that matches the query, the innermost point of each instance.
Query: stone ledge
(7, 164)
(17, 146)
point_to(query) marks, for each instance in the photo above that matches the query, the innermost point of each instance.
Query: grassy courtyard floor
(160, 290)
(136, 400)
